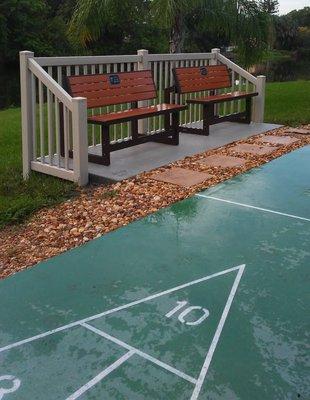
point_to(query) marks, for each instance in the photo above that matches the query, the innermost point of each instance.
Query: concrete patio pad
(145, 157)
(181, 177)
(219, 160)
(282, 140)
(254, 149)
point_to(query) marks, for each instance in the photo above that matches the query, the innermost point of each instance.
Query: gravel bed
(101, 209)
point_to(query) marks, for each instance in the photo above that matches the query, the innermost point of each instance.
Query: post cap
(26, 53)
(142, 51)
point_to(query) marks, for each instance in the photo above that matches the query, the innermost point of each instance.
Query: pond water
(281, 70)
(277, 70)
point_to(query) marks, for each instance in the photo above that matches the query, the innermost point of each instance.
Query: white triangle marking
(217, 334)
(112, 310)
(208, 359)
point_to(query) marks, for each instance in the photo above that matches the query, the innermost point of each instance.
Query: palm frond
(88, 20)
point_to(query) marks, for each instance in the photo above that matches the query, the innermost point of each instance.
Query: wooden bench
(199, 79)
(118, 88)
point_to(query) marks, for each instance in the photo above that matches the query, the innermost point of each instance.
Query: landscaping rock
(101, 209)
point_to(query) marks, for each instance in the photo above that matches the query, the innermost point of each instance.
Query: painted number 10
(186, 311)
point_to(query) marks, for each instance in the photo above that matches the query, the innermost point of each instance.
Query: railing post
(214, 52)
(213, 61)
(143, 64)
(259, 101)
(80, 143)
(26, 110)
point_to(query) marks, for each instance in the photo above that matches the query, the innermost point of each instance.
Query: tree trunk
(177, 34)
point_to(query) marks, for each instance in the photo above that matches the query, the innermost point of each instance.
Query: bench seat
(141, 112)
(219, 98)
(113, 89)
(211, 78)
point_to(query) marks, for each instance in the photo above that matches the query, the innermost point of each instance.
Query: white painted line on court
(217, 335)
(253, 207)
(131, 304)
(140, 353)
(100, 376)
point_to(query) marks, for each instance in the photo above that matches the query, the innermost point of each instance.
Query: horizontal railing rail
(50, 83)
(234, 67)
(179, 56)
(85, 60)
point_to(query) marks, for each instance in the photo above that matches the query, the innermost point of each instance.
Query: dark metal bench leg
(134, 129)
(105, 143)
(167, 122)
(175, 128)
(171, 131)
(248, 109)
(208, 115)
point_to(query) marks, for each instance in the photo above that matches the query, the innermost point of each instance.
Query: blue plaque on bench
(114, 79)
(203, 71)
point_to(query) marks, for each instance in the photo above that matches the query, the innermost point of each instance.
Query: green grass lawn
(286, 103)
(19, 198)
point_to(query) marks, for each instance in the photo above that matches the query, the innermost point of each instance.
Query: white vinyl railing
(54, 124)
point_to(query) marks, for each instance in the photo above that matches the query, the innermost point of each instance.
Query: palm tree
(241, 20)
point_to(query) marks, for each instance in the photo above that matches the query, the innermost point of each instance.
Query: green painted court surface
(207, 299)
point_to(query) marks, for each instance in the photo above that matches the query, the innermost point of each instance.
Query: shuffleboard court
(206, 299)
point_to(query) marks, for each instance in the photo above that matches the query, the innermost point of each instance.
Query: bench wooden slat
(196, 79)
(88, 87)
(193, 70)
(104, 77)
(215, 75)
(127, 115)
(199, 86)
(93, 94)
(222, 97)
(111, 100)
(100, 90)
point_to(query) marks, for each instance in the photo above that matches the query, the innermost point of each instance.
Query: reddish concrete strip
(223, 161)
(298, 130)
(181, 176)
(281, 140)
(254, 149)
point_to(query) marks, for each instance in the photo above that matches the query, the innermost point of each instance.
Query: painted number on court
(182, 317)
(12, 382)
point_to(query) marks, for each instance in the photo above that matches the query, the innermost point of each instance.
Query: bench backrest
(115, 88)
(197, 79)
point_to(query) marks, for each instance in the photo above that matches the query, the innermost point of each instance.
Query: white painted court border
(132, 350)
(250, 206)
